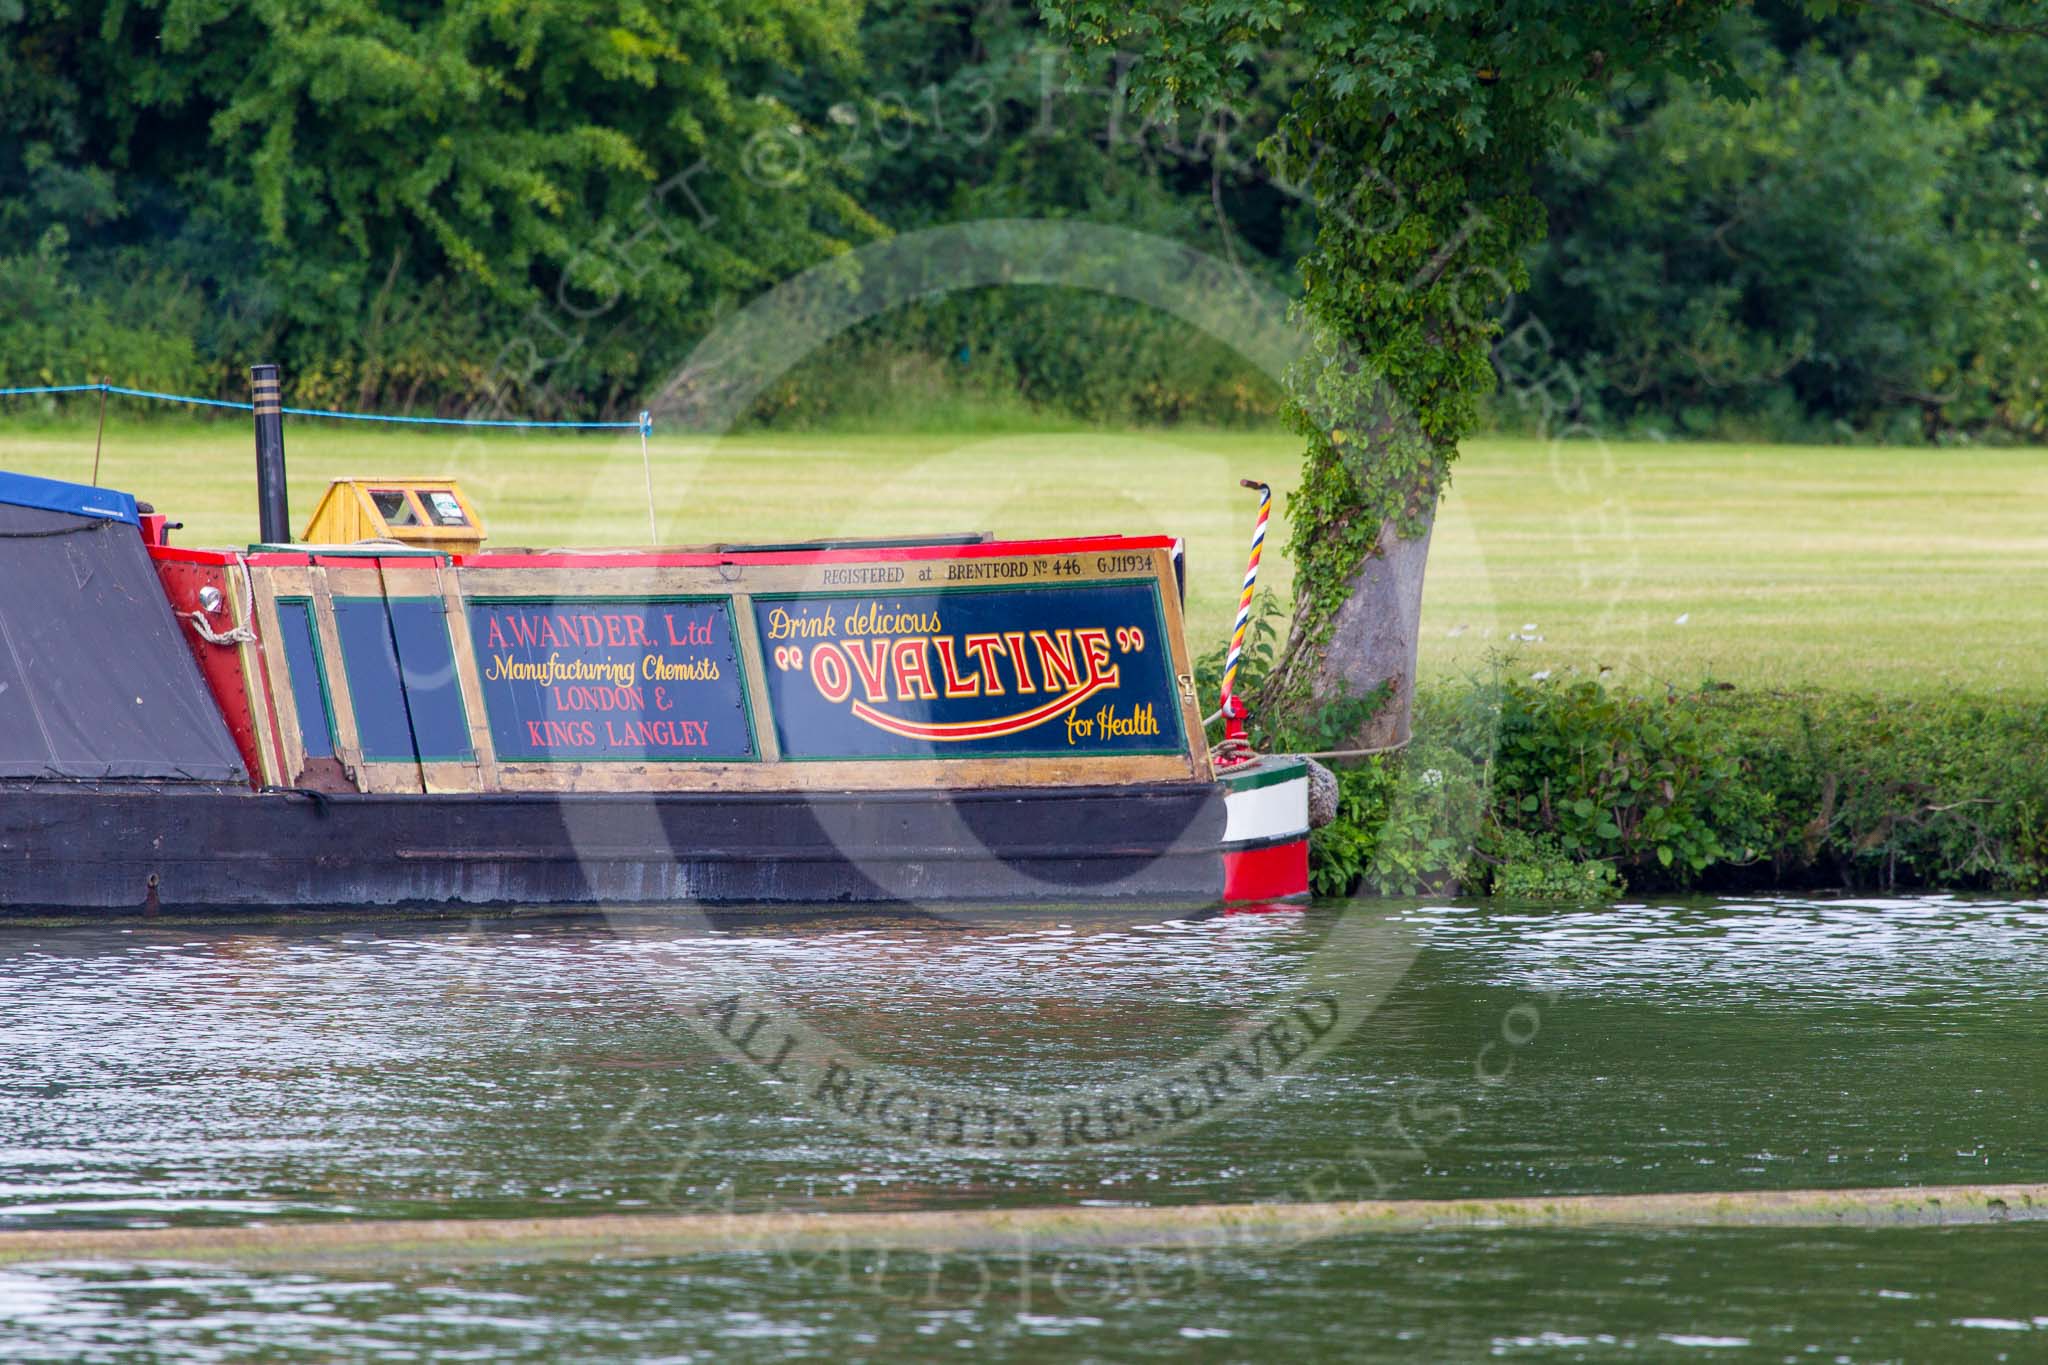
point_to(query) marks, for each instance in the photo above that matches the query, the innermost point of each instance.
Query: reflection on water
(563, 1065)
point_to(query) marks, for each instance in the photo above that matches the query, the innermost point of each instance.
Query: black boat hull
(74, 851)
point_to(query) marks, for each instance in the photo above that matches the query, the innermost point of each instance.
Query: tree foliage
(969, 112)
(1844, 250)
(475, 195)
(544, 205)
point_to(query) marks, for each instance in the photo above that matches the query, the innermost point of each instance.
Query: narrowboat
(389, 712)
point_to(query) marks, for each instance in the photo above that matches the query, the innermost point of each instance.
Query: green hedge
(1575, 790)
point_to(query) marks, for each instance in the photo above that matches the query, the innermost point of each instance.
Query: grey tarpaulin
(95, 679)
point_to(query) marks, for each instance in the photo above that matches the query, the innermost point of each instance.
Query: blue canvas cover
(96, 681)
(54, 495)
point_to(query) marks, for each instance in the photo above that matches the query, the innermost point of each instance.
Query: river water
(541, 1066)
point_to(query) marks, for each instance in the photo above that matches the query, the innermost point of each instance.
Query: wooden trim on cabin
(448, 777)
(348, 745)
(291, 727)
(851, 775)
(754, 673)
(257, 684)
(470, 678)
(1183, 665)
(720, 580)
(353, 578)
(285, 580)
(434, 777)
(585, 558)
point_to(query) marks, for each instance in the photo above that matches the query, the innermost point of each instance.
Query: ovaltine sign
(1084, 669)
(947, 660)
(592, 678)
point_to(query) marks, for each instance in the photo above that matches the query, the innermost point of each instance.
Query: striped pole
(1233, 710)
(273, 511)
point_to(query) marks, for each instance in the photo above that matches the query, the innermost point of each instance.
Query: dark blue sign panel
(595, 679)
(971, 673)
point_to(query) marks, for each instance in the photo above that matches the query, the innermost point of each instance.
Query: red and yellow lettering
(871, 661)
(984, 648)
(1095, 648)
(949, 666)
(1056, 660)
(1015, 640)
(828, 671)
(908, 655)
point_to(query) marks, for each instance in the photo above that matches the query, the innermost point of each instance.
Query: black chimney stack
(273, 510)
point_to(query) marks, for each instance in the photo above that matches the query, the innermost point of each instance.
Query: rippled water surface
(576, 1065)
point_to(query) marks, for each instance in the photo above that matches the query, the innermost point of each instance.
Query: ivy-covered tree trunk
(1362, 522)
(1368, 663)
(1415, 136)
(1402, 297)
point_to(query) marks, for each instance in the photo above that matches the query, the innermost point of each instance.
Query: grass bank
(1919, 572)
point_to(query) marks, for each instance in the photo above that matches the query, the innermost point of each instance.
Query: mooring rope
(242, 634)
(238, 635)
(1026, 1230)
(645, 424)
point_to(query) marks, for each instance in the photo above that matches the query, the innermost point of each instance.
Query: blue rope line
(458, 421)
(174, 397)
(645, 426)
(61, 388)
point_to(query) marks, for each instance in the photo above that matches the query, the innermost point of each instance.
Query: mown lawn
(1898, 570)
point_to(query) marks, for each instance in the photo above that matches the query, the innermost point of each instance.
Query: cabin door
(399, 665)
